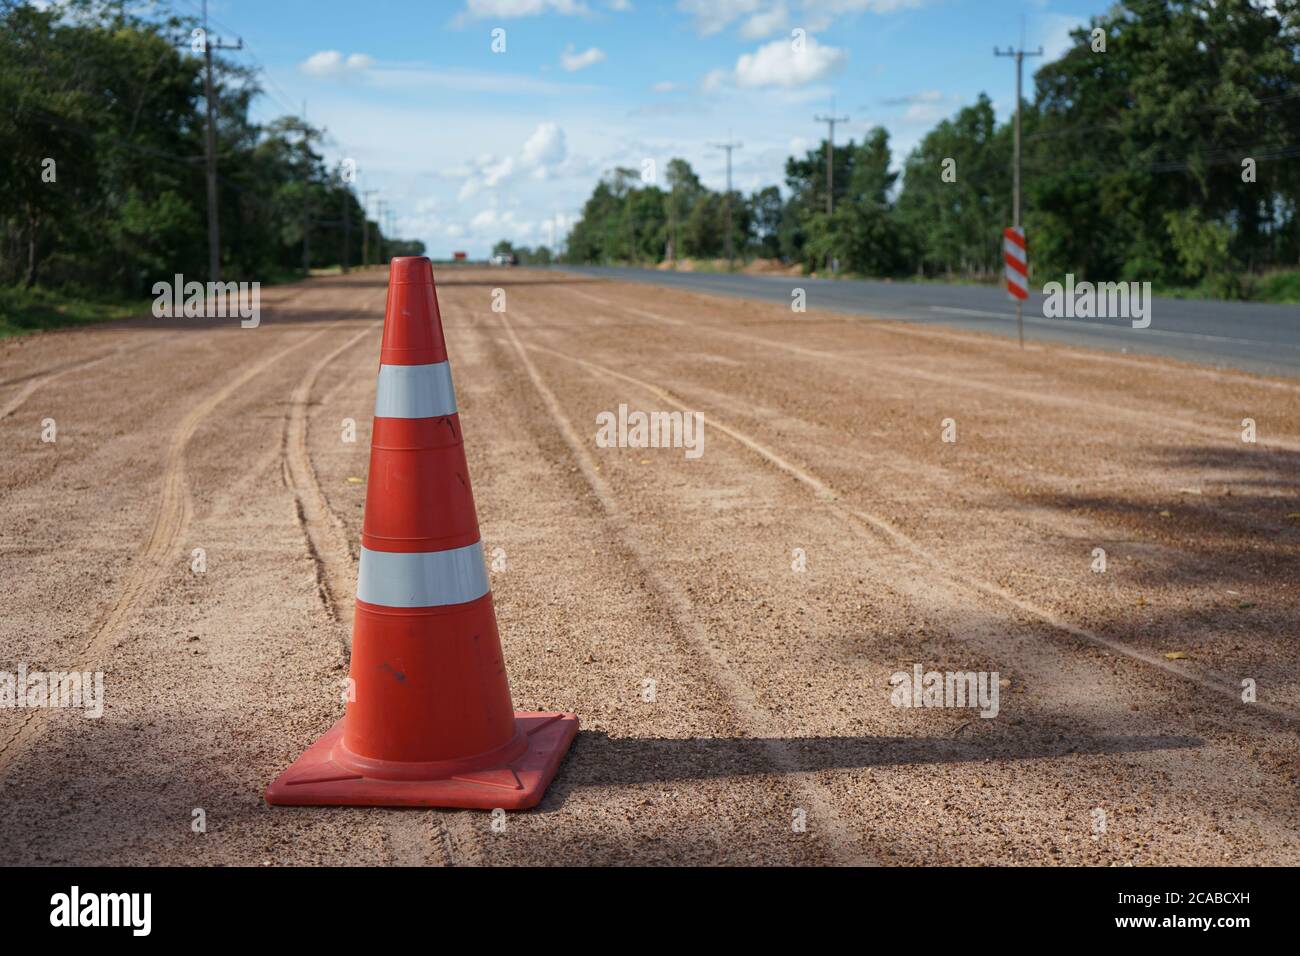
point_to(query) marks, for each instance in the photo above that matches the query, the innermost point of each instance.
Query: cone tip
(409, 269)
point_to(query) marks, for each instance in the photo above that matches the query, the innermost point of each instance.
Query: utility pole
(214, 214)
(347, 225)
(672, 219)
(306, 195)
(728, 147)
(1020, 55)
(365, 226)
(830, 122)
(379, 230)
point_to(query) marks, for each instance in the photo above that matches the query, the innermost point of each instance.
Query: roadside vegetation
(1177, 164)
(102, 146)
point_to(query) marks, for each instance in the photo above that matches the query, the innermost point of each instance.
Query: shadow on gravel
(599, 760)
(1231, 521)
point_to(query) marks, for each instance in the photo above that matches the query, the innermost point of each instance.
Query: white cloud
(820, 14)
(761, 18)
(489, 225)
(923, 108)
(712, 16)
(714, 80)
(419, 76)
(542, 155)
(488, 173)
(765, 22)
(573, 61)
(911, 99)
(332, 63)
(506, 9)
(545, 147)
(924, 113)
(620, 6)
(780, 65)
(1054, 33)
(664, 86)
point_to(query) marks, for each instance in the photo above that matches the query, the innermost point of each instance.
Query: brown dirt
(625, 566)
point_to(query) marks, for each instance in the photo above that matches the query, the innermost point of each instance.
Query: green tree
(956, 196)
(1125, 145)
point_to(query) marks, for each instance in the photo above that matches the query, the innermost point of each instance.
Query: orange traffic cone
(431, 724)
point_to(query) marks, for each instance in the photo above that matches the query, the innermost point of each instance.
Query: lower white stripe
(414, 391)
(1015, 278)
(1014, 251)
(423, 578)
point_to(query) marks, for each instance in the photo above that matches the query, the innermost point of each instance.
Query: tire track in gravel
(779, 751)
(881, 528)
(325, 535)
(150, 565)
(1072, 404)
(912, 472)
(40, 379)
(407, 832)
(1241, 518)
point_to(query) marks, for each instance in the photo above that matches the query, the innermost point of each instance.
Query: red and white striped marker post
(1016, 257)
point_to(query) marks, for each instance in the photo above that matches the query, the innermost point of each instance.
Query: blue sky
(469, 146)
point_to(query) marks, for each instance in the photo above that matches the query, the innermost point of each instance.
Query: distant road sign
(458, 256)
(1017, 260)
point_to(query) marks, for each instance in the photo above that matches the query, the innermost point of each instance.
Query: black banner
(334, 905)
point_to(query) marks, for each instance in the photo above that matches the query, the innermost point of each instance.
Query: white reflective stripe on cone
(415, 391)
(1014, 251)
(422, 578)
(1017, 278)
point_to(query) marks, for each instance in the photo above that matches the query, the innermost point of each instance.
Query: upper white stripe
(415, 391)
(423, 578)
(1013, 250)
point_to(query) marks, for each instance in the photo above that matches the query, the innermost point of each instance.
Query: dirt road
(726, 625)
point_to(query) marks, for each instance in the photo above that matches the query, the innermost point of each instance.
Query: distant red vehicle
(459, 256)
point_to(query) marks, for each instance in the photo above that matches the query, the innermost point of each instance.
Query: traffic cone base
(513, 778)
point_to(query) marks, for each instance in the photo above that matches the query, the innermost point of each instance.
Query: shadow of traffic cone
(431, 723)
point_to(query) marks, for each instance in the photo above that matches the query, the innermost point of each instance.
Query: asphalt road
(1252, 336)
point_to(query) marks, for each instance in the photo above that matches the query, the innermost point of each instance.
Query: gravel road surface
(726, 624)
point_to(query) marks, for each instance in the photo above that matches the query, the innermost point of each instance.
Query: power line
(728, 147)
(830, 122)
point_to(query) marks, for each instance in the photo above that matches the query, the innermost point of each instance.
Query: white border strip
(422, 578)
(415, 391)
